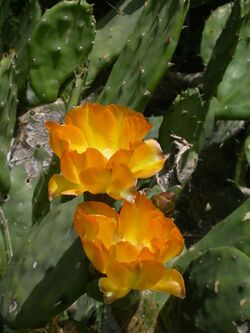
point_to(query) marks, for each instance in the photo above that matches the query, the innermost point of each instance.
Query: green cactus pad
(26, 23)
(146, 54)
(235, 226)
(48, 274)
(213, 27)
(247, 149)
(223, 51)
(17, 206)
(218, 294)
(184, 118)
(60, 42)
(227, 73)
(8, 103)
(114, 29)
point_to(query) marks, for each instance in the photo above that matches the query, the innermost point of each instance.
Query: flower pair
(101, 150)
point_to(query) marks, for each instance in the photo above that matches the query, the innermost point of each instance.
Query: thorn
(118, 11)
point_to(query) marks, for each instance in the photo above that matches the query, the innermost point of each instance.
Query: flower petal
(59, 185)
(97, 208)
(134, 127)
(122, 126)
(96, 180)
(147, 159)
(123, 251)
(172, 282)
(173, 246)
(96, 252)
(135, 275)
(122, 183)
(92, 226)
(110, 292)
(90, 118)
(135, 219)
(65, 137)
(117, 182)
(73, 163)
(122, 156)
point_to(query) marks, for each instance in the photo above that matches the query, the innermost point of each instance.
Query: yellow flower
(130, 248)
(101, 151)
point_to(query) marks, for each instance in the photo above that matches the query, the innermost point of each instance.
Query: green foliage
(217, 298)
(226, 71)
(135, 76)
(185, 118)
(60, 42)
(26, 22)
(17, 206)
(48, 274)
(223, 51)
(232, 233)
(111, 36)
(8, 103)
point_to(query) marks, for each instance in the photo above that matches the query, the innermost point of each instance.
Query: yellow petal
(96, 180)
(123, 251)
(174, 246)
(135, 220)
(117, 182)
(122, 126)
(172, 282)
(110, 292)
(122, 183)
(59, 185)
(134, 127)
(73, 163)
(135, 275)
(122, 156)
(65, 137)
(147, 159)
(96, 252)
(97, 208)
(97, 123)
(92, 226)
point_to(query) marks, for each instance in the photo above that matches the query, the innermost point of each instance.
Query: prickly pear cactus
(59, 43)
(208, 297)
(185, 119)
(41, 264)
(8, 103)
(114, 28)
(134, 77)
(217, 298)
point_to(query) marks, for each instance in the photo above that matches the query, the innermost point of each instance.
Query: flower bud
(165, 202)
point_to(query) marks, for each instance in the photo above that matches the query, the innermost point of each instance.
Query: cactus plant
(60, 42)
(184, 118)
(235, 225)
(216, 294)
(19, 40)
(116, 25)
(229, 63)
(134, 76)
(8, 103)
(40, 264)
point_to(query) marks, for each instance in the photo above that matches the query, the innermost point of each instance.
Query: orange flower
(101, 151)
(130, 248)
